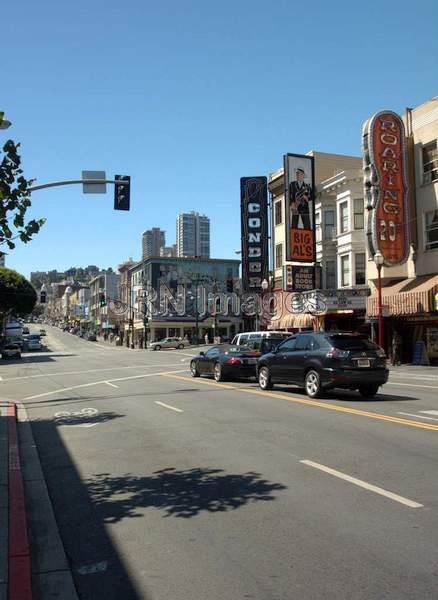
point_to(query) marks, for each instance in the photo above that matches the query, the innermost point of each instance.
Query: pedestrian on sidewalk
(396, 349)
(206, 339)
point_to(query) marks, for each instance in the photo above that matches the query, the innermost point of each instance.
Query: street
(164, 486)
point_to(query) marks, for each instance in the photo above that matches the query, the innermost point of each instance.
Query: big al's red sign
(386, 190)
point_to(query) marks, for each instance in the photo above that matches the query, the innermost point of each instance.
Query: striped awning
(293, 321)
(407, 297)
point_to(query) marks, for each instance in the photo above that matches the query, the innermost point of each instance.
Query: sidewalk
(409, 371)
(33, 565)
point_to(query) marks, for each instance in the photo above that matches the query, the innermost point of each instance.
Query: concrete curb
(4, 500)
(51, 574)
(19, 563)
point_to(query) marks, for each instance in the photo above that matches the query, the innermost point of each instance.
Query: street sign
(94, 188)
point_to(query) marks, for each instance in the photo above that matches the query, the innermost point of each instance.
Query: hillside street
(164, 486)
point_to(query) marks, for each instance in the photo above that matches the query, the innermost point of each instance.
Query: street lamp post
(265, 286)
(378, 259)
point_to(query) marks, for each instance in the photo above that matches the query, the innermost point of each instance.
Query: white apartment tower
(193, 235)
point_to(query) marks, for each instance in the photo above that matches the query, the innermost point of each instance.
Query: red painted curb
(19, 580)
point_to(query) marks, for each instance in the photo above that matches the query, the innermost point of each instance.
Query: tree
(15, 199)
(16, 293)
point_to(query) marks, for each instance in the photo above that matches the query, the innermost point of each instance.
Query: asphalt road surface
(169, 487)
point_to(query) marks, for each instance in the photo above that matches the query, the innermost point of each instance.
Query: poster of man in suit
(300, 207)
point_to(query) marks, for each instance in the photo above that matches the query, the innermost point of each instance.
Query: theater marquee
(254, 215)
(386, 189)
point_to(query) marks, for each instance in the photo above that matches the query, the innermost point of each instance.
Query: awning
(407, 297)
(293, 321)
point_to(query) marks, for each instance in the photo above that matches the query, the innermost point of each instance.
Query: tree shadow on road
(178, 493)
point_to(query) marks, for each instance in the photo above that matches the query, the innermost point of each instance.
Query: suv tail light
(336, 353)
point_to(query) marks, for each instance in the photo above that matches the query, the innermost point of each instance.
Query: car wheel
(157, 347)
(218, 375)
(194, 369)
(368, 391)
(312, 384)
(264, 378)
(180, 347)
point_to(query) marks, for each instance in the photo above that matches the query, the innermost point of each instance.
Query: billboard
(300, 208)
(386, 189)
(254, 219)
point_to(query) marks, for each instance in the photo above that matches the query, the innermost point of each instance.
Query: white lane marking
(168, 406)
(111, 384)
(429, 387)
(86, 371)
(417, 416)
(1, 378)
(84, 385)
(429, 412)
(363, 484)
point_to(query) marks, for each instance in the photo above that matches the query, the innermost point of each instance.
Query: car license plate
(363, 362)
(251, 361)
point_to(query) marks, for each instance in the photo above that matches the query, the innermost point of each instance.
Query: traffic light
(229, 285)
(102, 300)
(42, 297)
(146, 323)
(122, 192)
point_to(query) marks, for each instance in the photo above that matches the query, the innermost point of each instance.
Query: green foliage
(16, 293)
(15, 199)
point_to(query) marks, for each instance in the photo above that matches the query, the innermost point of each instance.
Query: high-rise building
(168, 250)
(193, 235)
(152, 241)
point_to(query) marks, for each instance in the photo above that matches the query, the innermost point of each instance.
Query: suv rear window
(352, 343)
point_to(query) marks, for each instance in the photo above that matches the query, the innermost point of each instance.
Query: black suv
(321, 361)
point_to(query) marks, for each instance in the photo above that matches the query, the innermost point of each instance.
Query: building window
(358, 213)
(343, 216)
(329, 225)
(360, 268)
(345, 270)
(277, 212)
(330, 274)
(278, 255)
(431, 229)
(318, 226)
(430, 162)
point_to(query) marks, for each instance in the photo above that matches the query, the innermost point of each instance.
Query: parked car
(169, 342)
(91, 337)
(43, 332)
(34, 342)
(11, 351)
(225, 361)
(319, 361)
(26, 331)
(241, 339)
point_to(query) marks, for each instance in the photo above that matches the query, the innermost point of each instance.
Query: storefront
(330, 310)
(409, 308)
(345, 310)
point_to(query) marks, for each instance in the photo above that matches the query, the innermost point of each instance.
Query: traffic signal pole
(44, 186)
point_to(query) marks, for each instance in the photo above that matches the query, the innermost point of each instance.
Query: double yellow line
(325, 405)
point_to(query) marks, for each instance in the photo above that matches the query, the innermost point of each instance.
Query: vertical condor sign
(386, 189)
(254, 215)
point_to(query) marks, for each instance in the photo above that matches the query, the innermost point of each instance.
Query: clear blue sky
(189, 96)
